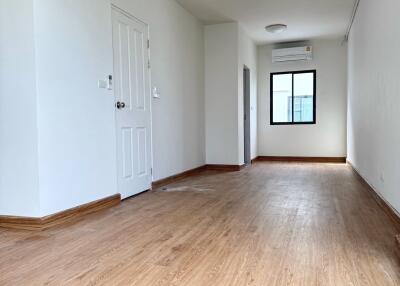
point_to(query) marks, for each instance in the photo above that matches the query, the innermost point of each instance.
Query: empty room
(199, 142)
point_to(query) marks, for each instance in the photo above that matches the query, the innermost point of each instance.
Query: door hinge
(148, 64)
(151, 171)
(148, 44)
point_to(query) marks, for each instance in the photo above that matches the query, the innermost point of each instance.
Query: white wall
(228, 50)
(19, 193)
(68, 145)
(247, 57)
(77, 135)
(221, 94)
(327, 138)
(76, 119)
(374, 97)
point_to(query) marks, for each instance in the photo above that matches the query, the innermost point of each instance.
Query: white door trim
(129, 15)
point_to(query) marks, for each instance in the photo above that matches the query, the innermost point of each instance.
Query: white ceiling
(306, 19)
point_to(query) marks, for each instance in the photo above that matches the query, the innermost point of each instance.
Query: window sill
(293, 123)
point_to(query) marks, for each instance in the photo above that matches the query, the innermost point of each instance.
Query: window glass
(282, 91)
(293, 97)
(303, 97)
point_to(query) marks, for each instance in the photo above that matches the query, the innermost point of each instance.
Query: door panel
(133, 118)
(127, 153)
(141, 155)
(139, 68)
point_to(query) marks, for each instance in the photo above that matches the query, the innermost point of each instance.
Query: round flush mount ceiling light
(276, 28)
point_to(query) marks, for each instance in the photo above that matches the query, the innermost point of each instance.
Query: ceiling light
(276, 28)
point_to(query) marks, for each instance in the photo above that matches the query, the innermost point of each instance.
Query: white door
(132, 102)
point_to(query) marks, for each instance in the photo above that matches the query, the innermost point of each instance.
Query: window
(293, 98)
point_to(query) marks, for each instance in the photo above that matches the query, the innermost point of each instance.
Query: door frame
(129, 15)
(247, 115)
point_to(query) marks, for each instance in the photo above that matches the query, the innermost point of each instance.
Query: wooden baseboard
(388, 209)
(195, 171)
(300, 159)
(29, 223)
(174, 178)
(226, 168)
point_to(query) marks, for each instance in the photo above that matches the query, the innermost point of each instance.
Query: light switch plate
(102, 84)
(156, 94)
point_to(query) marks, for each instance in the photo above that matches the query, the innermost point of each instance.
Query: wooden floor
(270, 224)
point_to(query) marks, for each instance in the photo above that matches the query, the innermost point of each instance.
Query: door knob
(120, 105)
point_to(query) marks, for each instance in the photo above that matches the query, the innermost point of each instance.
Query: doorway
(247, 115)
(132, 103)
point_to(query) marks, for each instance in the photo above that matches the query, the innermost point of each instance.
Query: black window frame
(272, 98)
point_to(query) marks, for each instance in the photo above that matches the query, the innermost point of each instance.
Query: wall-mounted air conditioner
(292, 54)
